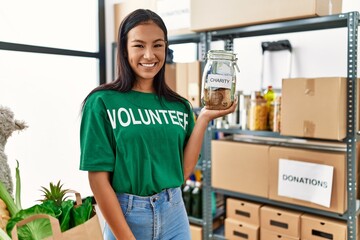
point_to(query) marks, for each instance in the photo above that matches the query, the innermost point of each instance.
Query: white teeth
(148, 64)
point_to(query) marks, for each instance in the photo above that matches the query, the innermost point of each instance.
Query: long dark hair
(125, 76)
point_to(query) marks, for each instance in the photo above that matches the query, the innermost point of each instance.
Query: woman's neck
(144, 87)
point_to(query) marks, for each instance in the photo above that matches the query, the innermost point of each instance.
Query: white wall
(49, 101)
(46, 90)
(315, 54)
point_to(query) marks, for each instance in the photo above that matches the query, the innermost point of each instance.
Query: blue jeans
(158, 217)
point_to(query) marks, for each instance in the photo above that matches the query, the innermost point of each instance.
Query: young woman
(139, 140)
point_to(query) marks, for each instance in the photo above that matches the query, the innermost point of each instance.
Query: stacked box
(318, 228)
(238, 230)
(337, 160)
(278, 221)
(196, 232)
(314, 107)
(271, 235)
(240, 167)
(242, 219)
(176, 16)
(209, 15)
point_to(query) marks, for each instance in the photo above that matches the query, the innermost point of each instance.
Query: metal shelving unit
(204, 39)
(345, 20)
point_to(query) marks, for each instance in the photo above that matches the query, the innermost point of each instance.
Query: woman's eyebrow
(141, 41)
(160, 39)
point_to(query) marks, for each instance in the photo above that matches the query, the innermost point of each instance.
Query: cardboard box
(210, 15)
(319, 228)
(270, 235)
(238, 230)
(244, 211)
(194, 83)
(240, 167)
(336, 159)
(196, 232)
(181, 79)
(175, 14)
(314, 107)
(280, 220)
(170, 76)
(121, 10)
(188, 81)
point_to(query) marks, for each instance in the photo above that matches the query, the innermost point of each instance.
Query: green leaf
(55, 192)
(8, 199)
(83, 212)
(18, 187)
(52, 206)
(65, 216)
(3, 235)
(35, 230)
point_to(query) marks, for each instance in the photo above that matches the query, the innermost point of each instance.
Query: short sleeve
(190, 125)
(97, 150)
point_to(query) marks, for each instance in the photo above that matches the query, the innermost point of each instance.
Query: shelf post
(207, 189)
(353, 21)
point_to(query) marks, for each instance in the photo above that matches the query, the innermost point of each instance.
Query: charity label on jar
(219, 81)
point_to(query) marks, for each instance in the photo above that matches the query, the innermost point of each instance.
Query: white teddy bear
(7, 126)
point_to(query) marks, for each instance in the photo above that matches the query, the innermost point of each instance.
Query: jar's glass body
(219, 80)
(258, 112)
(245, 101)
(274, 115)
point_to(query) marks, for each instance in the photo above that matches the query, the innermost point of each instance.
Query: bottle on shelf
(196, 208)
(187, 195)
(213, 203)
(269, 95)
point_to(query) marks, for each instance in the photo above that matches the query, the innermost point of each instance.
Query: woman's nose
(149, 53)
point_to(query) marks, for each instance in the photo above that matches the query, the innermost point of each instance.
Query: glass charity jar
(219, 80)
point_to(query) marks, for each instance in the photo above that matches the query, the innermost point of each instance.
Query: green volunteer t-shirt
(138, 139)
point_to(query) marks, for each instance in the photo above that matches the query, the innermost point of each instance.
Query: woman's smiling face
(146, 50)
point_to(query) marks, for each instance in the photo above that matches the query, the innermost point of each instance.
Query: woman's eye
(158, 45)
(139, 46)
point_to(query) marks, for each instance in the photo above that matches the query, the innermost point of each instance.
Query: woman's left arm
(194, 144)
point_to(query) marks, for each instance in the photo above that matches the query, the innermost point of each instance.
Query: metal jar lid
(221, 54)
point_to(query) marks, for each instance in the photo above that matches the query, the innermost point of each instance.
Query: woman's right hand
(208, 115)
(109, 205)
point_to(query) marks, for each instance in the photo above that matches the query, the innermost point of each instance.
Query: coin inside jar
(217, 99)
